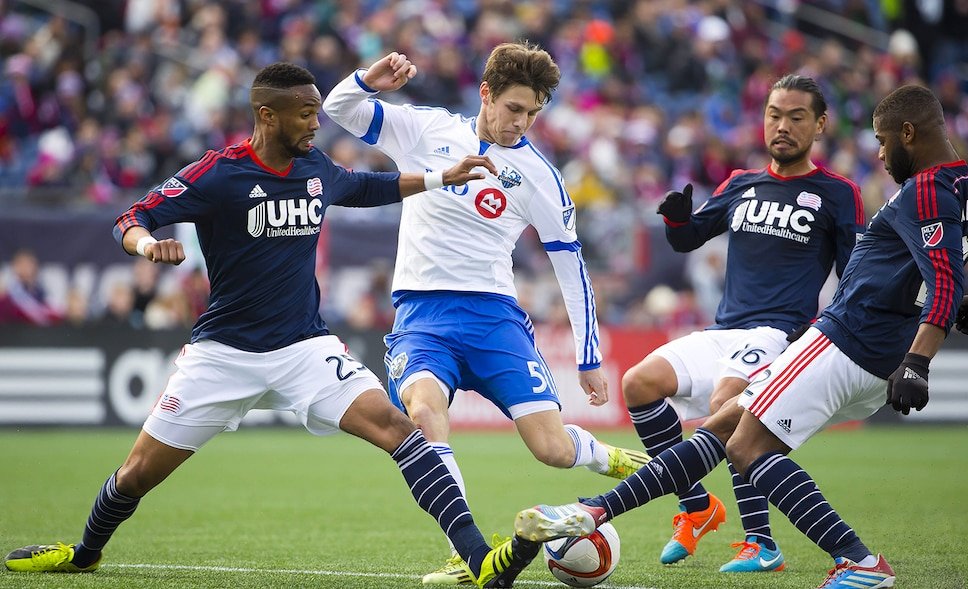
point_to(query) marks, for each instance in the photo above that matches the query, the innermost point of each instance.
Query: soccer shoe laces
(748, 550)
(497, 540)
(53, 555)
(834, 573)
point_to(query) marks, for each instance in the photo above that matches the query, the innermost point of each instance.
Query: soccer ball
(584, 561)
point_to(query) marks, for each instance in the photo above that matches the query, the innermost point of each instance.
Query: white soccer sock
(446, 454)
(588, 451)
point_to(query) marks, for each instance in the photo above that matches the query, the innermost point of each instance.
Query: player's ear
(266, 115)
(485, 93)
(821, 125)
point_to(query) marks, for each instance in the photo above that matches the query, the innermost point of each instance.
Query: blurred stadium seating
(102, 99)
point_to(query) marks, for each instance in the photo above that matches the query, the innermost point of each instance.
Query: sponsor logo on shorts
(785, 424)
(397, 365)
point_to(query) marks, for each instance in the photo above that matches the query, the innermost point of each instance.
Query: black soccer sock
(671, 471)
(437, 493)
(792, 491)
(110, 510)
(659, 428)
(754, 510)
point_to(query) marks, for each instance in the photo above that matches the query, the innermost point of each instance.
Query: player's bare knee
(644, 383)
(132, 479)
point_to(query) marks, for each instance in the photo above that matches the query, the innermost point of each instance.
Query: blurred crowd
(654, 94)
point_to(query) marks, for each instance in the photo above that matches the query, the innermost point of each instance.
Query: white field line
(180, 567)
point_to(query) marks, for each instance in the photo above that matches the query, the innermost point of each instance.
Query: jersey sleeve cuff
(587, 367)
(674, 223)
(359, 82)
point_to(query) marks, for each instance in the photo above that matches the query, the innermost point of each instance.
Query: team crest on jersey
(568, 217)
(809, 200)
(509, 177)
(314, 186)
(932, 234)
(173, 187)
(397, 365)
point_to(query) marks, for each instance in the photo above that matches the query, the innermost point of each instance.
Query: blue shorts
(471, 341)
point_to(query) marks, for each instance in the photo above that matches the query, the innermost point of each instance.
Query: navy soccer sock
(437, 493)
(671, 471)
(754, 510)
(110, 510)
(659, 428)
(792, 491)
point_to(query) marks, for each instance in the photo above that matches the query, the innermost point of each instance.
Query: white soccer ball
(584, 561)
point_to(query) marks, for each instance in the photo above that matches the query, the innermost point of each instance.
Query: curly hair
(283, 75)
(912, 103)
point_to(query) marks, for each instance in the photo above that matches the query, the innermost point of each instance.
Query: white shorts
(701, 358)
(216, 385)
(811, 385)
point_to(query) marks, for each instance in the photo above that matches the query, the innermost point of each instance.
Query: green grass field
(280, 508)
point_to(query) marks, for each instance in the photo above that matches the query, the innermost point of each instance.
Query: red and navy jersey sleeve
(362, 189)
(175, 200)
(931, 225)
(850, 223)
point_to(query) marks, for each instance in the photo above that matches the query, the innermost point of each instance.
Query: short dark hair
(912, 103)
(804, 84)
(521, 64)
(283, 75)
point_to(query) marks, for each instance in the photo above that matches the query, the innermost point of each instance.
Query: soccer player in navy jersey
(257, 207)
(458, 323)
(788, 225)
(895, 304)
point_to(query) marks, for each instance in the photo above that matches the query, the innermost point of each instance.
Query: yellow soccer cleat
(454, 572)
(505, 562)
(622, 462)
(50, 558)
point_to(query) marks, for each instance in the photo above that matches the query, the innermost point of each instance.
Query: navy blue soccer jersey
(785, 235)
(258, 230)
(907, 270)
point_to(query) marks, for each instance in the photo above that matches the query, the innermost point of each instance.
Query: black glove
(677, 206)
(798, 332)
(962, 321)
(908, 386)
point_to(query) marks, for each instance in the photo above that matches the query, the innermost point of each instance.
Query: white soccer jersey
(460, 238)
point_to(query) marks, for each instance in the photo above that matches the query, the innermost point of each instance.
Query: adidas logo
(910, 374)
(257, 192)
(444, 150)
(785, 424)
(750, 193)
(657, 468)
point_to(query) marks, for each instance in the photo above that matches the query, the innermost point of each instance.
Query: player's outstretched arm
(390, 73)
(595, 385)
(462, 172)
(138, 241)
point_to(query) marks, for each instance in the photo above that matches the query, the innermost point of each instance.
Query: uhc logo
(285, 218)
(772, 218)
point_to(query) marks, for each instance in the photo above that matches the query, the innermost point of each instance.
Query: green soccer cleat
(454, 572)
(622, 462)
(50, 558)
(505, 562)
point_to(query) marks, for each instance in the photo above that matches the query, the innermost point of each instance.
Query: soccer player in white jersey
(458, 324)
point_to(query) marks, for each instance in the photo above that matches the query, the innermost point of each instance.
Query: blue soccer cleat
(753, 557)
